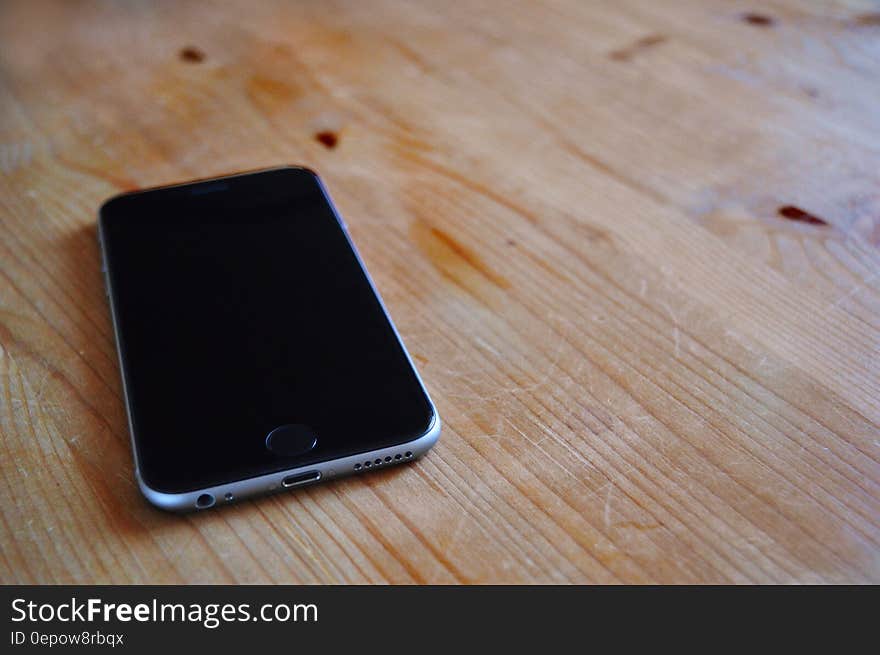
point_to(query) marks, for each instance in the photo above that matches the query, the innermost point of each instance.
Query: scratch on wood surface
(545, 453)
(574, 453)
(487, 346)
(606, 513)
(473, 368)
(676, 333)
(182, 548)
(306, 546)
(460, 524)
(15, 155)
(855, 290)
(644, 43)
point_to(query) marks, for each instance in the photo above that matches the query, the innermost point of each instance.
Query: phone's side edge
(105, 269)
(375, 290)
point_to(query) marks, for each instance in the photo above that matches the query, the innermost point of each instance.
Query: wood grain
(632, 247)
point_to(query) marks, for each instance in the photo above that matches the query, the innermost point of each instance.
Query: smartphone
(256, 354)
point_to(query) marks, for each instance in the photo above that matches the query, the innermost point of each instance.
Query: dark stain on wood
(758, 20)
(793, 213)
(191, 55)
(456, 261)
(270, 87)
(468, 256)
(591, 233)
(271, 95)
(327, 138)
(867, 20)
(646, 42)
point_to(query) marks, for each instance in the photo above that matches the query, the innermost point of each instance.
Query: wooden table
(632, 247)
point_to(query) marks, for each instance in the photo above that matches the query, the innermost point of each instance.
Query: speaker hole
(378, 461)
(397, 456)
(368, 464)
(409, 453)
(388, 459)
(357, 467)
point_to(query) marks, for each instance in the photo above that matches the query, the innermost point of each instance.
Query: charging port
(301, 478)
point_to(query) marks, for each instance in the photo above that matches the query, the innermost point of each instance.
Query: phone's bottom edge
(288, 479)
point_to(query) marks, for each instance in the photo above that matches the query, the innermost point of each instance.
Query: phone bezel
(238, 489)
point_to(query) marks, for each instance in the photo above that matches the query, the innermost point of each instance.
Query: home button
(293, 439)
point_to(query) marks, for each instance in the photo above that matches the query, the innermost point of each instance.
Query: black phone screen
(241, 306)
